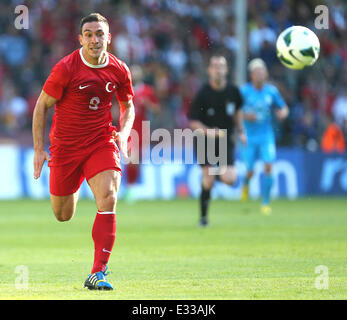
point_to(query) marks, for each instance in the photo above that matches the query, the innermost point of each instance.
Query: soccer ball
(297, 47)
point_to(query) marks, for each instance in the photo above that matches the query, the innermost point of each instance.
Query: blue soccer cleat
(98, 281)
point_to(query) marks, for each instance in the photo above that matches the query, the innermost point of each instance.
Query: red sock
(104, 234)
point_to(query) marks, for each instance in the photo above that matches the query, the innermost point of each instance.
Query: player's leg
(102, 170)
(64, 183)
(268, 156)
(105, 186)
(206, 186)
(248, 155)
(227, 170)
(228, 174)
(245, 187)
(207, 180)
(267, 182)
(64, 207)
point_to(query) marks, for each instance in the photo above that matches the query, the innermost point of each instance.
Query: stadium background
(160, 253)
(172, 40)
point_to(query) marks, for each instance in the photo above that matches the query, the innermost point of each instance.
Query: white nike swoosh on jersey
(104, 250)
(83, 87)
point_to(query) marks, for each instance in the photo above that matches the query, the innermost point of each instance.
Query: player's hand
(243, 138)
(39, 159)
(250, 117)
(282, 114)
(122, 141)
(215, 133)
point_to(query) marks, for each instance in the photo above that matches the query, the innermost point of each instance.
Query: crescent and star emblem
(108, 87)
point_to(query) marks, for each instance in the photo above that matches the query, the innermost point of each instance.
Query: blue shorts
(258, 149)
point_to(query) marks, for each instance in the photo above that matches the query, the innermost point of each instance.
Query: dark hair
(217, 53)
(93, 17)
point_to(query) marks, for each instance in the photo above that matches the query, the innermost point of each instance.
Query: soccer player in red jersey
(83, 140)
(145, 100)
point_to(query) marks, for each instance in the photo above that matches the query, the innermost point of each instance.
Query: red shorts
(68, 169)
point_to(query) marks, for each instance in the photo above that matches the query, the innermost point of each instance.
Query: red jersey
(84, 92)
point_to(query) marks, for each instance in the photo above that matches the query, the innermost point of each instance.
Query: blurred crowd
(171, 40)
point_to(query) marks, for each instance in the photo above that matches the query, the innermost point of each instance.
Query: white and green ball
(297, 47)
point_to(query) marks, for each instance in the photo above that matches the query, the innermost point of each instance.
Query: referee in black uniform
(216, 114)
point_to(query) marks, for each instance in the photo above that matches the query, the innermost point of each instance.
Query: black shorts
(214, 151)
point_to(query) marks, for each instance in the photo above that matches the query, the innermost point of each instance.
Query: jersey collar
(95, 65)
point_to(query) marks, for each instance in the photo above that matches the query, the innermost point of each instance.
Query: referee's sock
(104, 235)
(204, 201)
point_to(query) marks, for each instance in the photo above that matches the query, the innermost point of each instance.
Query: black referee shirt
(216, 109)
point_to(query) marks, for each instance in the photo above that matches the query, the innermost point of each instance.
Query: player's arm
(282, 113)
(282, 110)
(126, 120)
(250, 116)
(239, 116)
(198, 125)
(44, 102)
(207, 131)
(239, 126)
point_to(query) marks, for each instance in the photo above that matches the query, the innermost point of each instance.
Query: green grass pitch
(160, 253)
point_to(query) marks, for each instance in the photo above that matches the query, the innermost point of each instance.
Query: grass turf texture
(160, 253)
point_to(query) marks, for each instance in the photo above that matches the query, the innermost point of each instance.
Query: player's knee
(63, 219)
(64, 207)
(208, 179)
(228, 175)
(207, 183)
(108, 202)
(63, 215)
(229, 180)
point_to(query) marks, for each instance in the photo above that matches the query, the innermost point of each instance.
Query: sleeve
(278, 100)
(57, 81)
(125, 92)
(196, 108)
